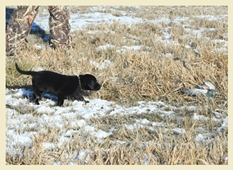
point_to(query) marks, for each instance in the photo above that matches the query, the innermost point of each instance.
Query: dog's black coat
(60, 85)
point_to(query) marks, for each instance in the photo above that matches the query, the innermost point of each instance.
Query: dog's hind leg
(35, 99)
(36, 95)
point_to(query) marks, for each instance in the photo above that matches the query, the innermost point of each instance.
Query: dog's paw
(86, 101)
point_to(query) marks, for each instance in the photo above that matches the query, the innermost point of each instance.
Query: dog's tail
(22, 71)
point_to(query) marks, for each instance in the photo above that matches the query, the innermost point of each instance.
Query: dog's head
(89, 82)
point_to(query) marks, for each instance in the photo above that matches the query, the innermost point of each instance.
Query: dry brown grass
(181, 151)
(142, 75)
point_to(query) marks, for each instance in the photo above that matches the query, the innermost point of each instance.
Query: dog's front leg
(79, 97)
(60, 100)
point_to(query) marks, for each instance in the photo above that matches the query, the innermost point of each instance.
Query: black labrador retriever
(60, 85)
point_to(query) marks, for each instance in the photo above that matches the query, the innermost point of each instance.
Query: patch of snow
(147, 159)
(224, 125)
(199, 32)
(178, 20)
(101, 66)
(48, 145)
(143, 121)
(200, 138)
(82, 154)
(210, 17)
(132, 48)
(105, 47)
(179, 130)
(168, 55)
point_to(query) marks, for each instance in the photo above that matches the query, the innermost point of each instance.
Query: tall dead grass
(146, 74)
(132, 76)
(181, 151)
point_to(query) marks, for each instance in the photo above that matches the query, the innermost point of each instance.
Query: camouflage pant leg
(59, 27)
(19, 27)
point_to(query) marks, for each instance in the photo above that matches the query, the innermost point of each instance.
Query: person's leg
(59, 27)
(19, 27)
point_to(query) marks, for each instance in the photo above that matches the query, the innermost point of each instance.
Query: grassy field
(181, 50)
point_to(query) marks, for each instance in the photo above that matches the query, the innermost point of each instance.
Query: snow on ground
(21, 125)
